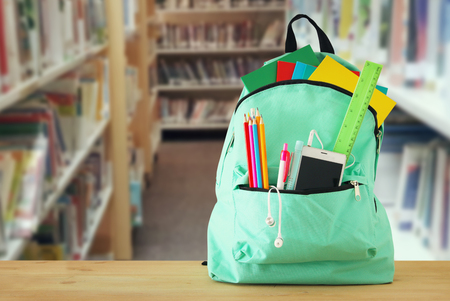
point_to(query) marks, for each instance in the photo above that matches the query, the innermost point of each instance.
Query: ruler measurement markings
(357, 108)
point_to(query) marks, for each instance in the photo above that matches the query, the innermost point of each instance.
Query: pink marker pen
(252, 151)
(284, 167)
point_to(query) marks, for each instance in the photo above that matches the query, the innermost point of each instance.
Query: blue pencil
(257, 156)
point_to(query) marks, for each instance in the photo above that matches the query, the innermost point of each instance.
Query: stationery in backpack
(268, 73)
(382, 89)
(332, 72)
(299, 70)
(303, 71)
(284, 70)
(365, 88)
(273, 236)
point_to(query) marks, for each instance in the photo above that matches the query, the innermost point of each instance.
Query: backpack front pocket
(324, 226)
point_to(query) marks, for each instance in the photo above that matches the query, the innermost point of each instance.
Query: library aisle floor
(179, 202)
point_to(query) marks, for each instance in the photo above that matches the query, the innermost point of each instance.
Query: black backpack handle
(291, 43)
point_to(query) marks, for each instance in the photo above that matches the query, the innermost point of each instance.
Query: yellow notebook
(332, 72)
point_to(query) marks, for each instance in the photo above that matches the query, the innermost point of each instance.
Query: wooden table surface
(188, 280)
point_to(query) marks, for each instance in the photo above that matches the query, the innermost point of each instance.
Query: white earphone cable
(310, 141)
(270, 221)
(353, 163)
(311, 137)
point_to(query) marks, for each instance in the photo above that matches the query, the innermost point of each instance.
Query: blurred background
(113, 115)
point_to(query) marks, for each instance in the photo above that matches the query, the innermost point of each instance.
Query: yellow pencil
(258, 117)
(263, 152)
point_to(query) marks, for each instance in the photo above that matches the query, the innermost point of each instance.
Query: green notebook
(268, 73)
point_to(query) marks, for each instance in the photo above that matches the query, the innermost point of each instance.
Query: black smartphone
(320, 169)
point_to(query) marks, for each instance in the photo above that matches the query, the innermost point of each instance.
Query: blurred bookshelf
(410, 39)
(67, 112)
(277, 8)
(167, 52)
(105, 196)
(151, 58)
(27, 87)
(433, 112)
(140, 56)
(70, 171)
(182, 88)
(183, 127)
(203, 48)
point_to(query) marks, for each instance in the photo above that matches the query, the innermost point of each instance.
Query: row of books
(67, 228)
(37, 35)
(400, 129)
(39, 138)
(410, 37)
(423, 200)
(220, 36)
(195, 111)
(258, 3)
(216, 4)
(206, 71)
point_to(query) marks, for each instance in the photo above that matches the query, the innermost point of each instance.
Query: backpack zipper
(229, 145)
(357, 192)
(293, 82)
(309, 82)
(222, 162)
(345, 186)
(379, 134)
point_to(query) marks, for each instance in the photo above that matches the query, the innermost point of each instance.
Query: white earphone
(271, 222)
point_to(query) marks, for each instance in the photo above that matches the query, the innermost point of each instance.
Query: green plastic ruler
(357, 108)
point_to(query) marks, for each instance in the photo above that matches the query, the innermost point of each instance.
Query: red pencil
(249, 159)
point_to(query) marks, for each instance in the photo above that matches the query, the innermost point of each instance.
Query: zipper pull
(357, 193)
(230, 144)
(378, 141)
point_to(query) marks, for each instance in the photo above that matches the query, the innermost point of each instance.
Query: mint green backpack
(329, 237)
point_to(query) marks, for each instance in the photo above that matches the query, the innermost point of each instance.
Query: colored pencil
(252, 151)
(257, 155)
(249, 156)
(262, 144)
(258, 116)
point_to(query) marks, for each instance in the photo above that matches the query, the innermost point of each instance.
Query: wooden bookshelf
(424, 105)
(47, 76)
(115, 197)
(71, 170)
(261, 17)
(120, 232)
(250, 50)
(140, 55)
(190, 127)
(191, 88)
(105, 197)
(16, 246)
(225, 10)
